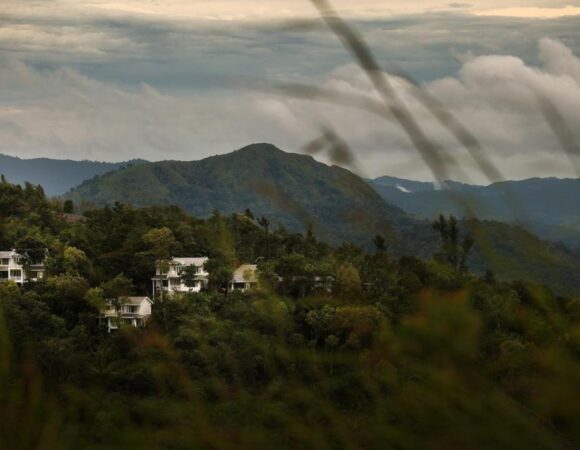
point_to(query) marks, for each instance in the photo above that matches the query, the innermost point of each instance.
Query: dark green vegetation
(291, 190)
(298, 192)
(550, 207)
(54, 175)
(405, 353)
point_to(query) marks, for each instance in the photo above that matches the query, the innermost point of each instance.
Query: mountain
(295, 191)
(550, 207)
(289, 189)
(56, 176)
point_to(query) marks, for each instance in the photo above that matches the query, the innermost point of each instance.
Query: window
(4, 261)
(131, 309)
(4, 275)
(16, 274)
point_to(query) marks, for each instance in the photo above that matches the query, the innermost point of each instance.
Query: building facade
(244, 278)
(12, 268)
(169, 275)
(129, 311)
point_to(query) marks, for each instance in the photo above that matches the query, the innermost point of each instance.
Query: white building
(245, 278)
(130, 311)
(168, 276)
(11, 268)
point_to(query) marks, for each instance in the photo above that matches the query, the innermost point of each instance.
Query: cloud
(495, 96)
(65, 113)
(532, 12)
(97, 82)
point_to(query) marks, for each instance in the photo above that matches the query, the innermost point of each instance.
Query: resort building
(169, 275)
(12, 268)
(129, 311)
(245, 278)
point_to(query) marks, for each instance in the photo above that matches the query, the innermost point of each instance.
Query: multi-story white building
(168, 276)
(130, 311)
(11, 268)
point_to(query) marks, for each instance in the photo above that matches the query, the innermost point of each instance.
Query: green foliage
(400, 353)
(288, 189)
(220, 271)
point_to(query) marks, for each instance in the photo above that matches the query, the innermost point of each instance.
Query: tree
(248, 213)
(220, 272)
(117, 288)
(162, 242)
(348, 282)
(76, 262)
(189, 276)
(68, 207)
(378, 274)
(380, 243)
(454, 251)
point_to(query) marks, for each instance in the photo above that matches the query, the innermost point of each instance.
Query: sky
(176, 79)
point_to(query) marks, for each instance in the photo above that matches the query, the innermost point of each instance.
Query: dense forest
(403, 353)
(297, 192)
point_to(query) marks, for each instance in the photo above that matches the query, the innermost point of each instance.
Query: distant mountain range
(550, 207)
(297, 191)
(54, 175)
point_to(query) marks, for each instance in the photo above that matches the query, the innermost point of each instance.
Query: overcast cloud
(113, 81)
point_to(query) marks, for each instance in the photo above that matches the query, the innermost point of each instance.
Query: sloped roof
(189, 261)
(246, 273)
(6, 254)
(136, 300)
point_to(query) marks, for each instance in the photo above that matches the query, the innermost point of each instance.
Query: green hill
(289, 189)
(296, 191)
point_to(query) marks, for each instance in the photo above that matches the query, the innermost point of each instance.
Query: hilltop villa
(131, 311)
(11, 268)
(245, 278)
(168, 275)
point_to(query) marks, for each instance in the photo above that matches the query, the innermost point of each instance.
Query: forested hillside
(403, 352)
(299, 193)
(291, 190)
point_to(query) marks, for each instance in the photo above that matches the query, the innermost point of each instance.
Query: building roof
(136, 300)
(246, 273)
(190, 261)
(6, 254)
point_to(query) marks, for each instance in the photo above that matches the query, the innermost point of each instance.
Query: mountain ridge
(292, 190)
(550, 207)
(297, 192)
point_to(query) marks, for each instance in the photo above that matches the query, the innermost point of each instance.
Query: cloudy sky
(154, 79)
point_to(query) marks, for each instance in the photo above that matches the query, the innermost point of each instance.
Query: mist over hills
(550, 207)
(56, 176)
